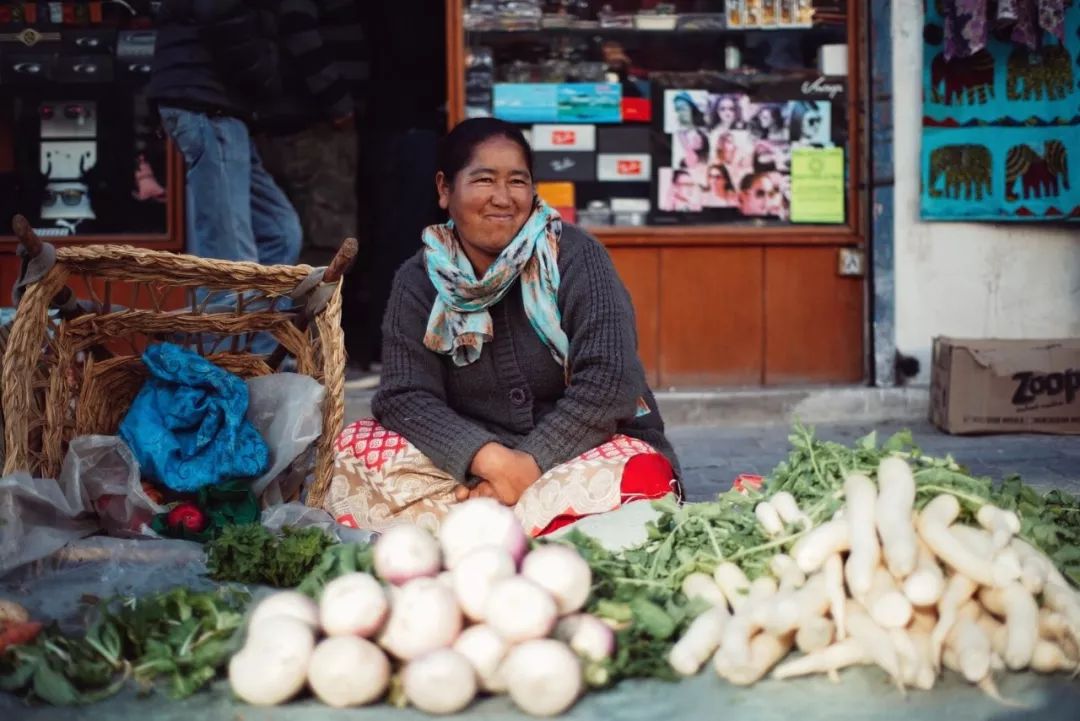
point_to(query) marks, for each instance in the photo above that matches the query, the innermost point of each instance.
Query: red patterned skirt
(381, 479)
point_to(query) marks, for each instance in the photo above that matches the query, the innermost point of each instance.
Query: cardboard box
(1006, 386)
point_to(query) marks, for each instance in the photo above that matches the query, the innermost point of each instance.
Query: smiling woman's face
(489, 200)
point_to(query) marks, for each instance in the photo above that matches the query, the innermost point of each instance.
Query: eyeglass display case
(714, 147)
(80, 154)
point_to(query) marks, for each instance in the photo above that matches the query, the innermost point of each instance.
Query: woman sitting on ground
(510, 365)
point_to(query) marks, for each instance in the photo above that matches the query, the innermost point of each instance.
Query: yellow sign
(817, 185)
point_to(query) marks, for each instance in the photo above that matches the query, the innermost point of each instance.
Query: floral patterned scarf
(460, 323)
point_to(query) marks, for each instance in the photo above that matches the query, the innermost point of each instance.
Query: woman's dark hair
(702, 152)
(456, 147)
(695, 111)
(799, 110)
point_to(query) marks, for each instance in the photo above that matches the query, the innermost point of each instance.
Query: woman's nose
(500, 195)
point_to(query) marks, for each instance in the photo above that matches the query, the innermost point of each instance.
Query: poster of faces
(728, 151)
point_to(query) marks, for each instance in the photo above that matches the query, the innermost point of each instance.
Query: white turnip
(441, 682)
(520, 610)
(354, 604)
(348, 671)
(481, 522)
(406, 552)
(272, 666)
(286, 603)
(587, 636)
(424, 617)
(543, 677)
(563, 573)
(474, 576)
(485, 649)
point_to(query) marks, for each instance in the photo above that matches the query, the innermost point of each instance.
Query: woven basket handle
(340, 264)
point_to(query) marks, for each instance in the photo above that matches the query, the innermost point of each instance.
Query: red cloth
(646, 476)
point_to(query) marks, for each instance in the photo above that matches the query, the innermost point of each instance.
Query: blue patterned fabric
(187, 425)
(1001, 128)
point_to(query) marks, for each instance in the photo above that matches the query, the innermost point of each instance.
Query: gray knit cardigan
(515, 393)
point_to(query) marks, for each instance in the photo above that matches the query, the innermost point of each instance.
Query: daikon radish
(1005, 564)
(1054, 627)
(786, 571)
(769, 519)
(1002, 524)
(837, 656)
(735, 639)
(865, 551)
(1032, 575)
(895, 501)
(766, 650)
(925, 675)
(733, 583)
(887, 606)
(1021, 623)
(833, 576)
(762, 588)
(815, 634)
(995, 631)
(700, 641)
(927, 582)
(907, 653)
(933, 526)
(923, 619)
(1048, 657)
(972, 648)
(789, 510)
(1065, 601)
(701, 585)
(1030, 554)
(958, 590)
(875, 640)
(788, 609)
(812, 550)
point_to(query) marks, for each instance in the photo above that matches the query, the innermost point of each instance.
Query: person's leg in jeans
(278, 236)
(276, 226)
(218, 183)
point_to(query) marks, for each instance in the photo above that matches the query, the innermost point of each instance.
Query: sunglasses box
(636, 110)
(562, 138)
(589, 103)
(526, 102)
(564, 166)
(623, 140)
(624, 167)
(557, 195)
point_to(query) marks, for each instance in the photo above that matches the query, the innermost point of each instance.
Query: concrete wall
(967, 279)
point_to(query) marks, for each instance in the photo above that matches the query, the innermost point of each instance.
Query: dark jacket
(325, 64)
(515, 393)
(215, 56)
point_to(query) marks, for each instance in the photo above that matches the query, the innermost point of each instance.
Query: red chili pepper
(187, 515)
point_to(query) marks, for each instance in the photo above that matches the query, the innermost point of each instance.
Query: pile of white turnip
(470, 613)
(881, 583)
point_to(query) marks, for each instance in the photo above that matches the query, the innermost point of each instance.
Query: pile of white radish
(493, 620)
(881, 583)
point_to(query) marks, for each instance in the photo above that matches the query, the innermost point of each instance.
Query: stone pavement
(712, 457)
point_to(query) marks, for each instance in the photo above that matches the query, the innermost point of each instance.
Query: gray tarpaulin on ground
(104, 566)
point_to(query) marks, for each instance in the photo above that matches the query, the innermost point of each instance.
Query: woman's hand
(506, 472)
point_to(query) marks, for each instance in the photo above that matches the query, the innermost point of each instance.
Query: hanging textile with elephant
(1001, 121)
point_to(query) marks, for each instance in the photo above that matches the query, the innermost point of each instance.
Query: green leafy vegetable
(182, 637)
(639, 589)
(252, 554)
(337, 560)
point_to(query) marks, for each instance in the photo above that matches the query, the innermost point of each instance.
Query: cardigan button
(518, 397)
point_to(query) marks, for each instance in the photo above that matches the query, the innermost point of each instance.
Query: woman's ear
(442, 186)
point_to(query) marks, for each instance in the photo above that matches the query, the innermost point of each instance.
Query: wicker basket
(58, 383)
